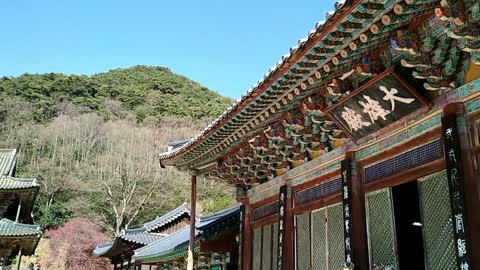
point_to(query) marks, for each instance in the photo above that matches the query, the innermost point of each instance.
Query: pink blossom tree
(71, 246)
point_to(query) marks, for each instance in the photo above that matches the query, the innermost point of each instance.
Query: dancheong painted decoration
(374, 86)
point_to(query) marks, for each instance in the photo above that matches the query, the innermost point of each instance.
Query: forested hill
(143, 90)
(93, 143)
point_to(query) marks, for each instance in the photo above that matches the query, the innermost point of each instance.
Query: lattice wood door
(436, 222)
(257, 249)
(335, 238)
(381, 229)
(303, 244)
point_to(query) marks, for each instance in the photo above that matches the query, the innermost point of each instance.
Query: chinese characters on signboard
(347, 208)
(376, 106)
(282, 201)
(456, 189)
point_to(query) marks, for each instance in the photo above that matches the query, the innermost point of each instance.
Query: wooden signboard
(347, 208)
(377, 104)
(455, 175)
(282, 206)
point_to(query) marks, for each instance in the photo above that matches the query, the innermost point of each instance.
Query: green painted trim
(169, 255)
(272, 187)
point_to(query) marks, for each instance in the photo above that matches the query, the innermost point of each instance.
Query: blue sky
(225, 45)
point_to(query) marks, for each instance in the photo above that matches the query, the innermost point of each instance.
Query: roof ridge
(134, 230)
(216, 214)
(167, 217)
(104, 244)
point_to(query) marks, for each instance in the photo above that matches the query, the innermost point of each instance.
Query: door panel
(381, 229)
(319, 243)
(303, 241)
(436, 222)
(335, 238)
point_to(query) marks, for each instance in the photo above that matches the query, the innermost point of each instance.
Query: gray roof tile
(11, 228)
(7, 161)
(102, 249)
(8, 182)
(167, 218)
(165, 245)
(140, 236)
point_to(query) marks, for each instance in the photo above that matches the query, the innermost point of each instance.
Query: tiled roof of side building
(7, 161)
(209, 220)
(181, 238)
(140, 236)
(9, 183)
(11, 228)
(137, 236)
(165, 245)
(102, 249)
(266, 81)
(167, 218)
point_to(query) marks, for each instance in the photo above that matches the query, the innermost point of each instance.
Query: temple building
(216, 246)
(121, 249)
(360, 148)
(18, 236)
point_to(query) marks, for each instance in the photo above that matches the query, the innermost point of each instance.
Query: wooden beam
(19, 259)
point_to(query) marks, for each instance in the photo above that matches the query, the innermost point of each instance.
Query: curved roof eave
(296, 51)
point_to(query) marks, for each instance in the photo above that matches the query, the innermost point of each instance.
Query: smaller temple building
(215, 247)
(18, 236)
(121, 249)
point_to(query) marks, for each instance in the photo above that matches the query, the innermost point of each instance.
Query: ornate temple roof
(286, 119)
(13, 183)
(266, 81)
(169, 217)
(11, 228)
(175, 245)
(7, 161)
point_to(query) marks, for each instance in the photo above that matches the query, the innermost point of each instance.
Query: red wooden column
(359, 224)
(247, 239)
(288, 257)
(193, 205)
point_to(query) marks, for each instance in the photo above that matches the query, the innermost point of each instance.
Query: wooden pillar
(193, 205)
(129, 264)
(18, 210)
(359, 224)
(289, 252)
(247, 239)
(19, 260)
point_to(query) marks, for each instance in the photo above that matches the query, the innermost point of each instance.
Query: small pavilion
(18, 236)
